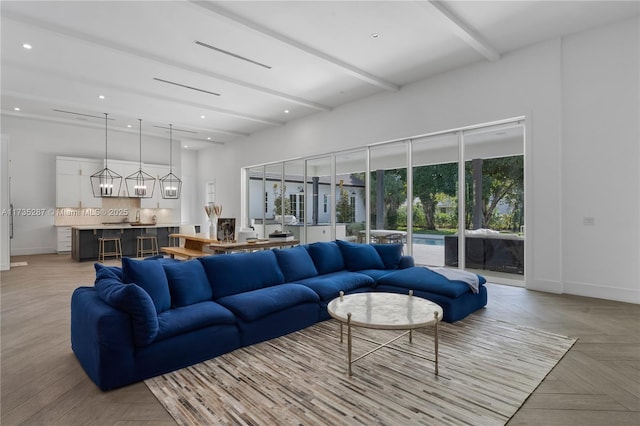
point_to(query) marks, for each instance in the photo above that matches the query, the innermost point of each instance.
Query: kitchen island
(84, 238)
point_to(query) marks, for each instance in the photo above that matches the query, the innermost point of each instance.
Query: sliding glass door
(494, 200)
(387, 192)
(435, 200)
(423, 192)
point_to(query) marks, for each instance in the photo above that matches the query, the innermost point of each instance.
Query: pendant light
(170, 184)
(106, 182)
(140, 184)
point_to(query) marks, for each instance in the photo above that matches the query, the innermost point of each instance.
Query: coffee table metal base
(385, 311)
(386, 344)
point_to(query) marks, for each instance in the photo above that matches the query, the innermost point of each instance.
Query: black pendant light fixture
(106, 182)
(140, 184)
(170, 184)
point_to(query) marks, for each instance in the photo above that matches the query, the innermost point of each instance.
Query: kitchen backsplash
(114, 210)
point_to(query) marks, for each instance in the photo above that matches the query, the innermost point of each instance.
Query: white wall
(219, 165)
(33, 149)
(542, 83)
(189, 201)
(5, 255)
(600, 162)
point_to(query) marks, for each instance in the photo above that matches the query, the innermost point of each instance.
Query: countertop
(124, 225)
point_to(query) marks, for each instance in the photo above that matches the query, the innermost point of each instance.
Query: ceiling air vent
(185, 86)
(235, 55)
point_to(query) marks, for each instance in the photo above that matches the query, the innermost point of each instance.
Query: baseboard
(546, 286)
(617, 294)
(32, 250)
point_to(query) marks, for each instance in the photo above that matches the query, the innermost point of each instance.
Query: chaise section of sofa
(456, 297)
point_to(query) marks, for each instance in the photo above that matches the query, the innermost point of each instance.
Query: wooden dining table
(198, 245)
(261, 244)
(194, 246)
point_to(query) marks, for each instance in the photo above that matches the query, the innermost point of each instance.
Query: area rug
(488, 369)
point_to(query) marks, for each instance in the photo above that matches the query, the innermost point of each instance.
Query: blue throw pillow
(391, 254)
(326, 256)
(151, 277)
(359, 257)
(133, 300)
(160, 258)
(103, 271)
(295, 263)
(188, 283)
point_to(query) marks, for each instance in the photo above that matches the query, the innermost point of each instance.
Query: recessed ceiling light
(202, 116)
(101, 97)
(16, 109)
(27, 46)
(186, 146)
(129, 126)
(286, 111)
(375, 35)
(209, 138)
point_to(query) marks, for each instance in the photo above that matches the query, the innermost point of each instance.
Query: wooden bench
(184, 252)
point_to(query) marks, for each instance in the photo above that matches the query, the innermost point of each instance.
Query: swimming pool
(428, 239)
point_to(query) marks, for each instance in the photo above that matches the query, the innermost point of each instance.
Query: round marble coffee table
(385, 311)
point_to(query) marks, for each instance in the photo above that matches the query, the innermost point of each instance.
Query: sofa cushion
(360, 256)
(391, 254)
(256, 304)
(188, 283)
(132, 299)
(188, 318)
(376, 274)
(424, 279)
(104, 271)
(295, 263)
(151, 277)
(237, 273)
(326, 256)
(328, 286)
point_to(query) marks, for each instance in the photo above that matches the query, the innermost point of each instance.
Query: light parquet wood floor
(596, 383)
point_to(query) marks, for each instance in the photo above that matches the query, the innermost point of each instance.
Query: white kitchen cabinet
(73, 182)
(63, 239)
(87, 168)
(67, 182)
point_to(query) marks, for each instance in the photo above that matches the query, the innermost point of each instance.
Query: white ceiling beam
(461, 29)
(141, 54)
(151, 95)
(349, 69)
(75, 106)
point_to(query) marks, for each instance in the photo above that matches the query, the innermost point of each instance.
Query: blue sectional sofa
(154, 316)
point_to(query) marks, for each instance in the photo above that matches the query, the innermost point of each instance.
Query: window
(352, 210)
(297, 205)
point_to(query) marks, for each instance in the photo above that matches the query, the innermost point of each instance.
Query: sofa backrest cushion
(295, 263)
(391, 254)
(151, 277)
(188, 283)
(358, 257)
(326, 256)
(135, 301)
(236, 273)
